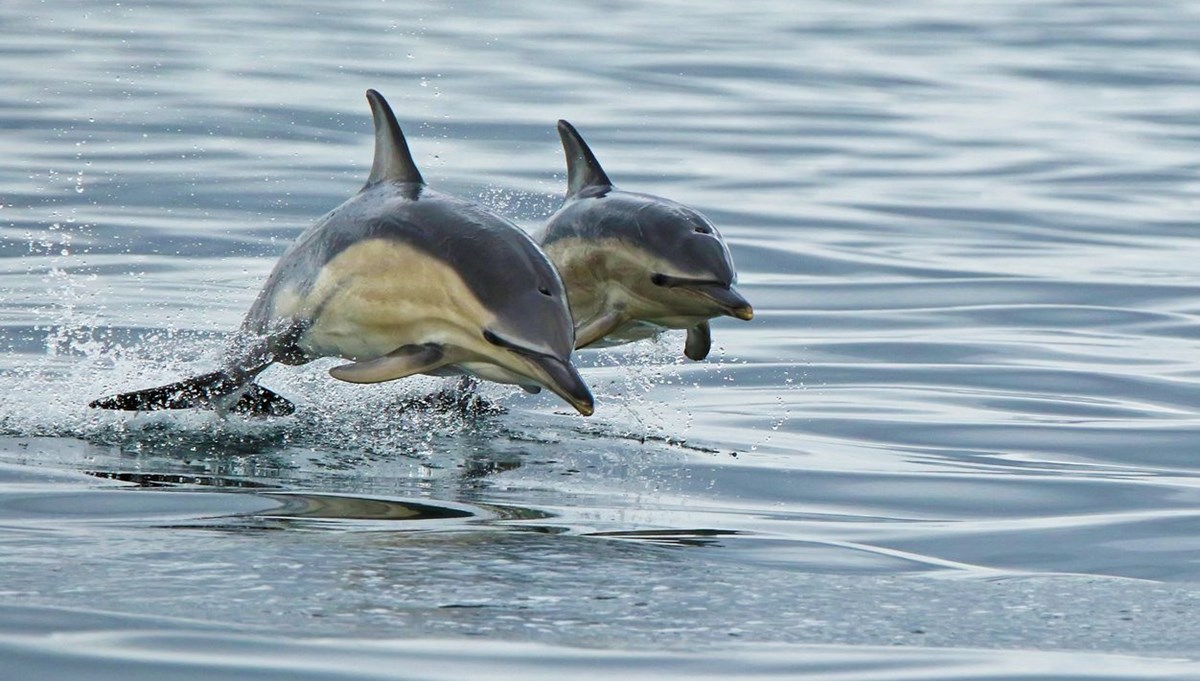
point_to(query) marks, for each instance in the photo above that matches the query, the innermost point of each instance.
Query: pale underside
(381, 295)
(612, 297)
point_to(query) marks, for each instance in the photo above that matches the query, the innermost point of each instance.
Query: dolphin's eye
(658, 279)
(703, 230)
(544, 290)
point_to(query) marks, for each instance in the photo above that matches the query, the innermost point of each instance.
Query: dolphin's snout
(564, 380)
(744, 312)
(730, 301)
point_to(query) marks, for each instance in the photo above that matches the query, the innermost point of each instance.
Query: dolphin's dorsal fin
(393, 162)
(583, 170)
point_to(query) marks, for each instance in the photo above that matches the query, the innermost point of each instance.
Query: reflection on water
(964, 416)
(681, 537)
(169, 480)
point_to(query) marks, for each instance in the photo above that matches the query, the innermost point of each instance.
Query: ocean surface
(959, 440)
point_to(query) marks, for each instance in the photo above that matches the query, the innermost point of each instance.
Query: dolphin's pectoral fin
(699, 342)
(259, 401)
(403, 361)
(592, 331)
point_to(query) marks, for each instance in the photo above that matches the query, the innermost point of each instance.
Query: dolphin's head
(688, 264)
(532, 334)
(525, 333)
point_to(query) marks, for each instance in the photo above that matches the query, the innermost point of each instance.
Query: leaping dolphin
(634, 264)
(401, 280)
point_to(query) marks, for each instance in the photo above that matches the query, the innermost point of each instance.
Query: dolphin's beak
(731, 302)
(563, 379)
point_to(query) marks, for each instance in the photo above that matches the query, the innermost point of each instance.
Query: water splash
(641, 388)
(518, 205)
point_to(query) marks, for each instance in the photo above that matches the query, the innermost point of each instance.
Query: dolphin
(401, 280)
(635, 264)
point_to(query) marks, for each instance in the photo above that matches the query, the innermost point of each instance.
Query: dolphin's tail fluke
(219, 390)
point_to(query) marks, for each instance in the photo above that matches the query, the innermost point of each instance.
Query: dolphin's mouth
(564, 380)
(728, 300)
(559, 375)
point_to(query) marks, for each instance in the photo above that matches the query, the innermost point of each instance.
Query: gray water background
(958, 440)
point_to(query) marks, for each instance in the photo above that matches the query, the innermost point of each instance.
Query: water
(958, 441)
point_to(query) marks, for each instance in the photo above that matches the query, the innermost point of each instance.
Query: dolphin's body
(402, 280)
(635, 264)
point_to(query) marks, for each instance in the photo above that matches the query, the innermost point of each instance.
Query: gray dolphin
(402, 280)
(634, 264)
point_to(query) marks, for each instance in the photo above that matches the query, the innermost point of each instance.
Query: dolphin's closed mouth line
(720, 293)
(509, 345)
(668, 281)
(565, 380)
